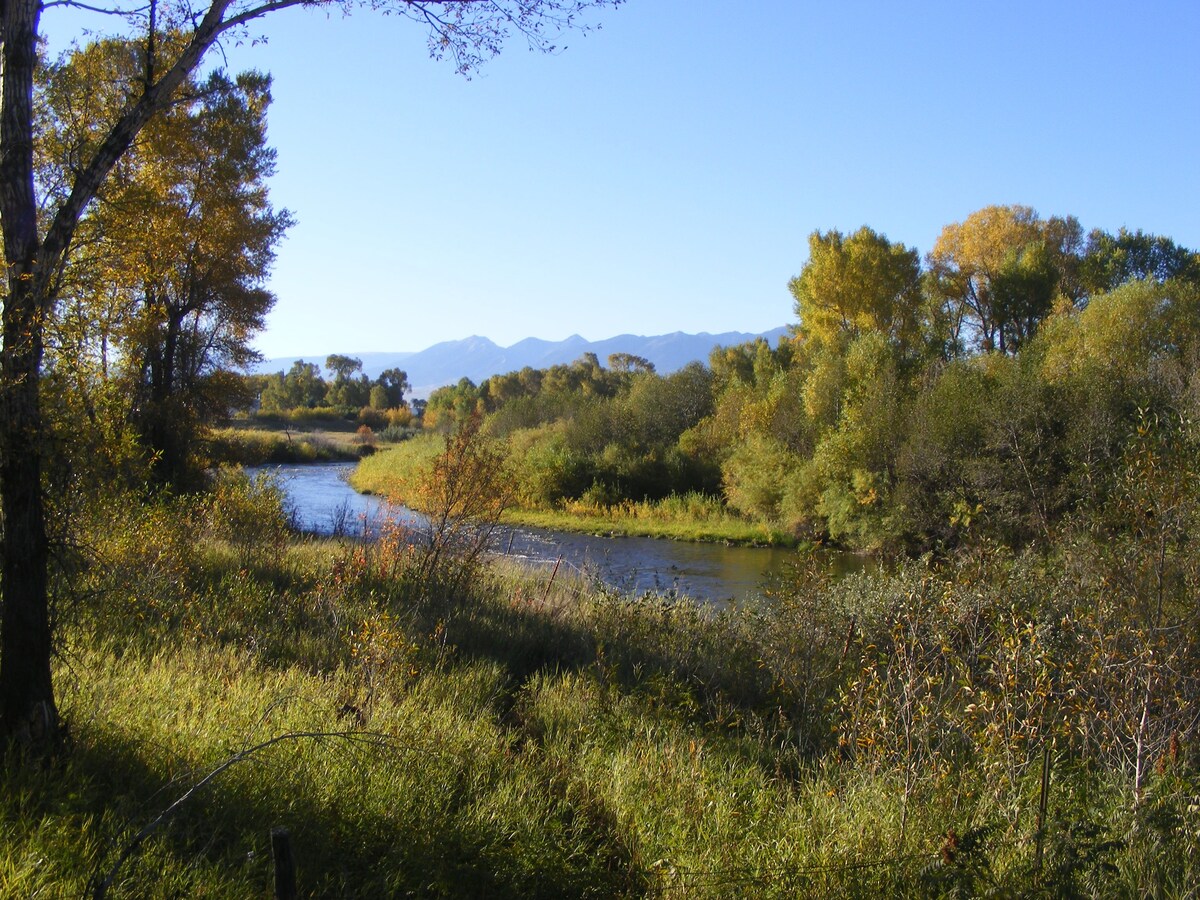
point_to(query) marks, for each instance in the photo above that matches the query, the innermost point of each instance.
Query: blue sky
(664, 172)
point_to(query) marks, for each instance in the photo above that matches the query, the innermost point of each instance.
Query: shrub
(250, 514)
(374, 419)
(394, 434)
(463, 495)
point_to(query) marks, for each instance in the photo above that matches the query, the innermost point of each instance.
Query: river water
(324, 503)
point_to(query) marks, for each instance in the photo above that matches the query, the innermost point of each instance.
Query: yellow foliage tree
(857, 283)
(999, 270)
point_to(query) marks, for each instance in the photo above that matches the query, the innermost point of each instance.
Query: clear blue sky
(664, 173)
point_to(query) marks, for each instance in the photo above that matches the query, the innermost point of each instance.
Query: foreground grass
(506, 737)
(461, 784)
(462, 780)
(396, 472)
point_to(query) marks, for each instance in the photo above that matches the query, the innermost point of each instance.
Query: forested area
(304, 393)
(996, 390)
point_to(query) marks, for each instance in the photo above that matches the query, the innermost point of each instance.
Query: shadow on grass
(676, 658)
(427, 842)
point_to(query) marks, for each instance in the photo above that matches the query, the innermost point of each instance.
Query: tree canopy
(999, 270)
(170, 260)
(857, 283)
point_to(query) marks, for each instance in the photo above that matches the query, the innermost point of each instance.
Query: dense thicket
(995, 391)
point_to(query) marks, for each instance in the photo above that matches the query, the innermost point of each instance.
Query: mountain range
(478, 358)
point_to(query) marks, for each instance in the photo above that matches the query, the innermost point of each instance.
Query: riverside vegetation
(1009, 709)
(397, 472)
(997, 389)
(429, 724)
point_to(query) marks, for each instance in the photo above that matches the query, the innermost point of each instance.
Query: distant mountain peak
(477, 357)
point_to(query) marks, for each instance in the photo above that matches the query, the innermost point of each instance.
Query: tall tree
(342, 367)
(35, 248)
(630, 363)
(178, 242)
(1112, 260)
(999, 270)
(301, 388)
(395, 384)
(1023, 292)
(857, 283)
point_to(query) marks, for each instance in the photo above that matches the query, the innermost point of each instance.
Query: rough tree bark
(27, 709)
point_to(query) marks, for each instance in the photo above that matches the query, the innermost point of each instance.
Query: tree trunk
(27, 710)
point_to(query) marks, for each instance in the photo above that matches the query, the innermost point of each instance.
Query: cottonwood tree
(342, 367)
(37, 242)
(999, 270)
(394, 383)
(1112, 260)
(173, 254)
(346, 390)
(857, 283)
(630, 363)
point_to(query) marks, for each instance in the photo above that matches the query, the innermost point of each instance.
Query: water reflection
(324, 503)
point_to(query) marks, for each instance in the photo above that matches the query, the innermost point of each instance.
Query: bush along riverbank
(424, 723)
(396, 473)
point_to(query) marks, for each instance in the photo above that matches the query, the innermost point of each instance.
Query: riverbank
(248, 445)
(394, 472)
(322, 502)
(655, 520)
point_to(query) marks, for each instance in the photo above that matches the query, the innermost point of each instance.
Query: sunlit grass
(688, 518)
(396, 472)
(259, 446)
(444, 783)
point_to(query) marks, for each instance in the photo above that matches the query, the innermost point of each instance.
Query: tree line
(991, 388)
(303, 389)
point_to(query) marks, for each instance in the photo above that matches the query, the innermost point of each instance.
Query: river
(324, 503)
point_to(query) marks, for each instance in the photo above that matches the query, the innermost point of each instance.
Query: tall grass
(513, 737)
(396, 472)
(687, 517)
(257, 446)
